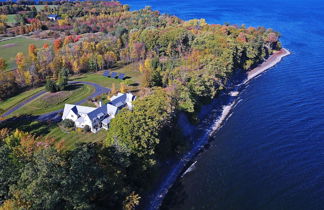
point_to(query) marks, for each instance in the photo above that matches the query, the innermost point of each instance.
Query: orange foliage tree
(57, 44)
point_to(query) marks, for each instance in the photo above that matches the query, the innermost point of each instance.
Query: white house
(53, 17)
(100, 117)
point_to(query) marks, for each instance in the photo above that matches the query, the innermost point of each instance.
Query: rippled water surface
(270, 152)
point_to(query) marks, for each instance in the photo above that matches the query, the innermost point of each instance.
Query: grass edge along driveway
(34, 107)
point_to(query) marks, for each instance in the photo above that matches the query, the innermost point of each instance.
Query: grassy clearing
(27, 125)
(11, 19)
(54, 131)
(131, 71)
(54, 101)
(73, 137)
(40, 7)
(10, 48)
(7, 104)
(88, 103)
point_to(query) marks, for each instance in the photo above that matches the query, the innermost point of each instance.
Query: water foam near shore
(225, 102)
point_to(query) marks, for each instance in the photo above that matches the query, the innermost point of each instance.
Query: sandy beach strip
(270, 62)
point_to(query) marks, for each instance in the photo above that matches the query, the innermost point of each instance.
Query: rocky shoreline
(225, 104)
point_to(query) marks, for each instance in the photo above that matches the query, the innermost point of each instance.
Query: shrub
(86, 129)
(67, 123)
(50, 86)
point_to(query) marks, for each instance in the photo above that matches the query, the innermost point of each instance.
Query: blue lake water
(270, 153)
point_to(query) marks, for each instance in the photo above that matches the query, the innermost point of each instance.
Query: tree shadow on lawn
(78, 77)
(135, 84)
(28, 123)
(72, 87)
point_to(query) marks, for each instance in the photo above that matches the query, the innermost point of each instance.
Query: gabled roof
(121, 99)
(116, 96)
(111, 109)
(67, 109)
(76, 109)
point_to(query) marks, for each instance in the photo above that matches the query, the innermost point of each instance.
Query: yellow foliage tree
(131, 201)
(20, 60)
(62, 22)
(75, 66)
(113, 89)
(9, 205)
(28, 78)
(3, 18)
(100, 61)
(123, 88)
(3, 64)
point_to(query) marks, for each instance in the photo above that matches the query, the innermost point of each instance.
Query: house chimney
(100, 103)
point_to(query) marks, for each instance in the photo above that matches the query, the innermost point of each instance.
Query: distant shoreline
(183, 164)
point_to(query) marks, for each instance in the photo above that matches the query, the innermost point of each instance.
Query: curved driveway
(55, 115)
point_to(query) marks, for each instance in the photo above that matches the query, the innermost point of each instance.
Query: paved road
(18, 106)
(54, 116)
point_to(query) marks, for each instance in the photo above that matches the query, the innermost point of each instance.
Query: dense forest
(184, 65)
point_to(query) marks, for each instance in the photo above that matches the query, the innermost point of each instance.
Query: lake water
(270, 153)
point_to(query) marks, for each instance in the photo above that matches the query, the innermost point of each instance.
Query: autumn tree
(20, 61)
(110, 58)
(32, 52)
(8, 85)
(57, 44)
(131, 201)
(123, 88)
(45, 45)
(3, 64)
(113, 90)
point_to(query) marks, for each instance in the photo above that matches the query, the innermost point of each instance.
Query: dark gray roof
(120, 101)
(75, 110)
(98, 112)
(53, 16)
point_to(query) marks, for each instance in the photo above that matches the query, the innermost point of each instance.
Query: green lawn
(40, 7)
(53, 130)
(54, 101)
(73, 137)
(11, 19)
(7, 104)
(131, 71)
(10, 48)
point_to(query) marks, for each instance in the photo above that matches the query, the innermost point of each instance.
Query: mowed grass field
(11, 18)
(10, 102)
(70, 139)
(131, 72)
(10, 48)
(50, 102)
(40, 7)
(49, 129)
